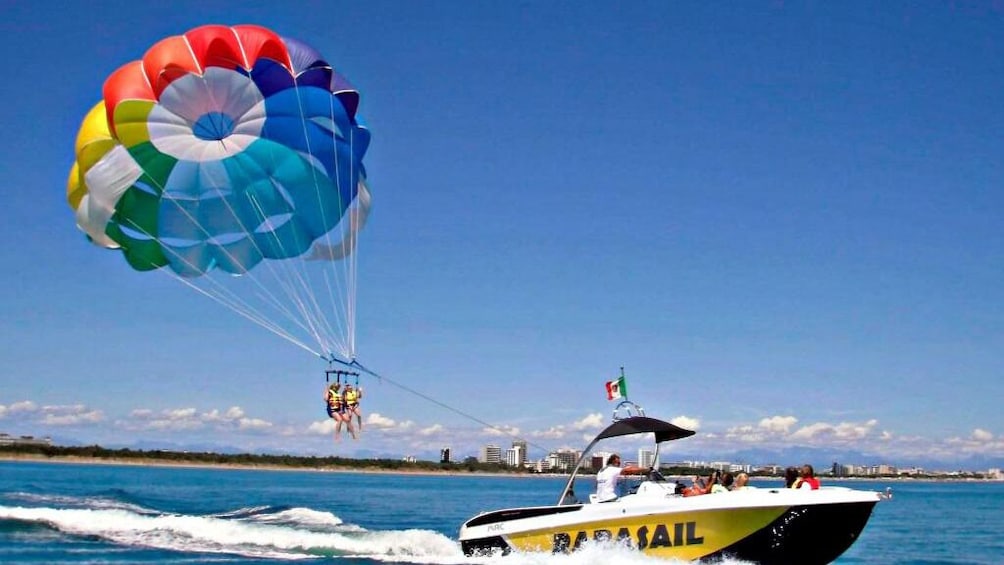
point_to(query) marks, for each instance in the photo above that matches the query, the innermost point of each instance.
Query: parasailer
(352, 395)
(233, 152)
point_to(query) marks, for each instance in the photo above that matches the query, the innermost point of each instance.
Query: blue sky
(783, 219)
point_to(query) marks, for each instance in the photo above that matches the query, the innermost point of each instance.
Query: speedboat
(761, 525)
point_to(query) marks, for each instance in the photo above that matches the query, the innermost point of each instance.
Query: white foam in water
(588, 554)
(85, 502)
(215, 535)
(257, 537)
(308, 518)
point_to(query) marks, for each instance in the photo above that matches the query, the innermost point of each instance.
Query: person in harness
(338, 410)
(351, 396)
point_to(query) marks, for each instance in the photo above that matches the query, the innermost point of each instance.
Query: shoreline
(167, 463)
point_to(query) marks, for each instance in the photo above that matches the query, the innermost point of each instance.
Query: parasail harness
(339, 373)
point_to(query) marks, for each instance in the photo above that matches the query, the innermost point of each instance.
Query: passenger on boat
(724, 485)
(791, 477)
(807, 478)
(742, 479)
(608, 477)
(702, 486)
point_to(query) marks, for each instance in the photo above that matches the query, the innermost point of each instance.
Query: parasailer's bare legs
(344, 418)
(348, 423)
(355, 408)
(359, 417)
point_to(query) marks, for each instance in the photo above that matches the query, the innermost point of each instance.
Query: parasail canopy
(233, 153)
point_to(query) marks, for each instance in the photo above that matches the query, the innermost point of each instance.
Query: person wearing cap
(608, 476)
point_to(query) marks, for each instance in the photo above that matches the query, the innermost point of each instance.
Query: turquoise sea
(76, 513)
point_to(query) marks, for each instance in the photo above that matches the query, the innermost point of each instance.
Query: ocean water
(78, 513)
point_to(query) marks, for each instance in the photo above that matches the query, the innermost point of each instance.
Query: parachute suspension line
(347, 350)
(289, 280)
(353, 241)
(458, 411)
(226, 296)
(345, 312)
(295, 284)
(347, 346)
(291, 276)
(247, 314)
(223, 295)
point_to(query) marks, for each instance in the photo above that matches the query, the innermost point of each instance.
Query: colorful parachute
(222, 149)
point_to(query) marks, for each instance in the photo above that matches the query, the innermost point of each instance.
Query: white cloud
(554, 432)
(431, 430)
(379, 421)
(253, 424)
(777, 424)
(499, 431)
(232, 414)
(686, 422)
(982, 435)
(73, 415)
(23, 406)
(840, 433)
(187, 419)
(324, 427)
(745, 434)
(590, 422)
(179, 413)
(3, 411)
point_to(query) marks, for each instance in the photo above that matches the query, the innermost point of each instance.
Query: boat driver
(608, 476)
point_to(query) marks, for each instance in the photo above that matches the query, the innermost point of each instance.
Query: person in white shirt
(607, 478)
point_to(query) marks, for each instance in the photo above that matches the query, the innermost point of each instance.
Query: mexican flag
(617, 389)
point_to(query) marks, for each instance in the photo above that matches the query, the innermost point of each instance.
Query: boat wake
(268, 532)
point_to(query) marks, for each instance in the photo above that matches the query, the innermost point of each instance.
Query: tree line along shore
(471, 465)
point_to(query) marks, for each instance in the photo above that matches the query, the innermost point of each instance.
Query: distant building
(410, 459)
(490, 454)
(515, 456)
(598, 460)
(562, 459)
(995, 474)
(521, 444)
(444, 455)
(646, 458)
(6, 439)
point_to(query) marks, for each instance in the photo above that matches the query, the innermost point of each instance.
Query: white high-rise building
(521, 444)
(515, 455)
